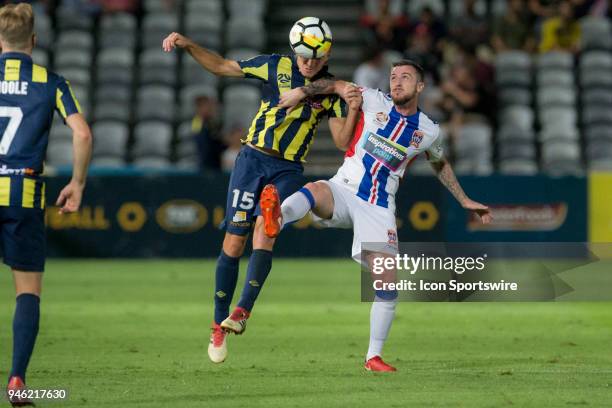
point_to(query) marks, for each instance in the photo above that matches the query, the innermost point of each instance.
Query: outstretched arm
(447, 177)
(321, 86)
(342, 129)
(211, 61)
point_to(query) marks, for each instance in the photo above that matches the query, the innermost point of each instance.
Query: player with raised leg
(28, 97)
(274, 149)
(391, 131)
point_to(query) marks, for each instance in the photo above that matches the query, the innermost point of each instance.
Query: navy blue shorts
(252, 171)
(22, 238)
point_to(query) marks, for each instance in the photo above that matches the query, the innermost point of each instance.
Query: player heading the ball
(274, 150)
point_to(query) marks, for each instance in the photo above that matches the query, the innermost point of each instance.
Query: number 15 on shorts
(243, 200)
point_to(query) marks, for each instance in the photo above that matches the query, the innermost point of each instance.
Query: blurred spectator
(234, 144)
(383, 8)
(468, 88)
(83, 7)
(388, 30)
(542, 9)
(374, 8)
(421, 49)
(128, 6)
(435, 26)
(583, 7)
(206, 133)
(601, 8)
(470, 30)
(561, 32)
(373, 72)
(512, 31)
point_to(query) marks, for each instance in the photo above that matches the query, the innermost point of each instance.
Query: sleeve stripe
(258, 72)
(338, 109)
(74, 99)
(60, 103)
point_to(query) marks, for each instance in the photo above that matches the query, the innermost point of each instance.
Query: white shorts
(371, 223)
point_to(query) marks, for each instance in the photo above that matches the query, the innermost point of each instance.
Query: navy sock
(259, 268)
(25, 330)
(226, 277)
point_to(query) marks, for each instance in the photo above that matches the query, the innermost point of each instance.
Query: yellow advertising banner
(600, 207)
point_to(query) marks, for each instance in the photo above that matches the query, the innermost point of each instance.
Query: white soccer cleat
(236, 322)
(217, 348)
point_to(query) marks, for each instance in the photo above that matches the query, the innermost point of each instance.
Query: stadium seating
(124, 81)
(192, 73)
(415, 7)
(60, 153)
(71, 19)
(247, 8)
(44, 31)
(117, 30)
(245, 32)
(156, 26)
(240, 104)
(157, 68)
(596, 33)
(205, 29)
(155, 102)
(113, 140)
(152, 140)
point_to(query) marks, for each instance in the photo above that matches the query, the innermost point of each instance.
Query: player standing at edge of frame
(28, 96)
(273, 152)
(391, 132)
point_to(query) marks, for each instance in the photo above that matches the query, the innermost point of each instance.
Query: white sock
(381, 317)
(295, 207)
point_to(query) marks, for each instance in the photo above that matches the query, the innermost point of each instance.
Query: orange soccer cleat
(377, 364)
(269, 202)
(16, 384)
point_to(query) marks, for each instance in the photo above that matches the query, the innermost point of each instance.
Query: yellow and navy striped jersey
(272, 128)
(29, 95)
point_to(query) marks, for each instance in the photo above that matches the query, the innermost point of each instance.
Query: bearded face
(405, 84)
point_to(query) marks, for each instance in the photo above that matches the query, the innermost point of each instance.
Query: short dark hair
(406, 62)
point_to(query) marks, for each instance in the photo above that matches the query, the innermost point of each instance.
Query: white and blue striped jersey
(383, 145)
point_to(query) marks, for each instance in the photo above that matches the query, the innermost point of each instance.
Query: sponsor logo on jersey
(239, 216)
(389, 153)
(382, 118)
(417, 138)
(17, 172)
(283, 78)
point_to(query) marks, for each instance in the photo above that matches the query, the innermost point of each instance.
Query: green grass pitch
(135, 333)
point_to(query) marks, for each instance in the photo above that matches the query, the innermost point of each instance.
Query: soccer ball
(310, 37)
